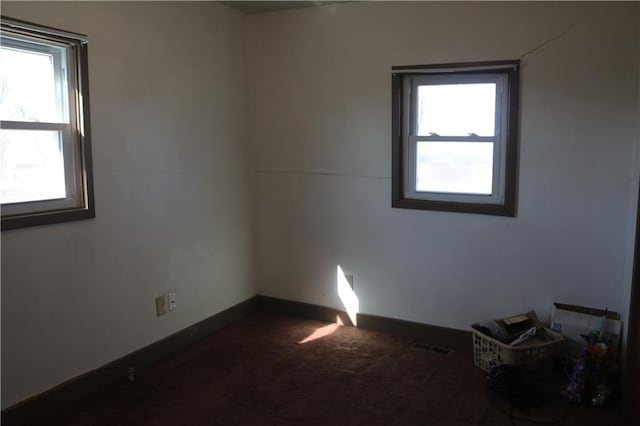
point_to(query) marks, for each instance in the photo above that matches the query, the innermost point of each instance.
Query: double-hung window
(455, 137)
(45, 157)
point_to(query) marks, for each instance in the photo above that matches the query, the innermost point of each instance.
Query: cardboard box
(572, 321)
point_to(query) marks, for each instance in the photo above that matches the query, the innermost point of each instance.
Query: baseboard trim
(41, 408)
(426, 333)
(301, 309)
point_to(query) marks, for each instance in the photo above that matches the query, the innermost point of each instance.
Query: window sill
(46, 218)
(448, 206)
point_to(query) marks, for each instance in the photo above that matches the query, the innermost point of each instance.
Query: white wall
(171, 186)
(320, 99)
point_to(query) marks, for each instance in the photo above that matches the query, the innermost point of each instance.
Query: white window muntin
(66, 79)
(410, 138)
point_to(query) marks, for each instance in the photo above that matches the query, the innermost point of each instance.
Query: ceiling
(251, 7)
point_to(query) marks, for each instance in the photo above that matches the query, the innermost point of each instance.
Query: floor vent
(424, 347)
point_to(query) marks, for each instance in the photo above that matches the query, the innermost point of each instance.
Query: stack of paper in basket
(523, 329)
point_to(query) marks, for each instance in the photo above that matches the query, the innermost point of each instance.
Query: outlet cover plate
(172, 301)
(349, 278)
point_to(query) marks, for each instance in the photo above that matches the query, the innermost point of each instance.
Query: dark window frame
(398, 199)
(82, 138)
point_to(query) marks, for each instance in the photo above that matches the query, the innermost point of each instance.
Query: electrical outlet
(172, 301)
(349, 279)
(161, 305)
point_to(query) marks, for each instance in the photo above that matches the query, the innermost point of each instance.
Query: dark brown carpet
(257, 372)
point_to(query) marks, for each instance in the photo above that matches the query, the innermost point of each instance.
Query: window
(454, 142)
(45, 154)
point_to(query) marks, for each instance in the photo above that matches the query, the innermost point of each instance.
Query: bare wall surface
(320, 105)
(172, 194)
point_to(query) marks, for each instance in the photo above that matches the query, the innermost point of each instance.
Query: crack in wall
(547, 42)
(320, 172)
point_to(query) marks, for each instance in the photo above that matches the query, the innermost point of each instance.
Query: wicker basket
(489, 352)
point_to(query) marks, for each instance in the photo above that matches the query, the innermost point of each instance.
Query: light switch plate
(161, 305)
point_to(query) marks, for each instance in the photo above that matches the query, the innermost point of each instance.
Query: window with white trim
(45, 155)
(455, 137)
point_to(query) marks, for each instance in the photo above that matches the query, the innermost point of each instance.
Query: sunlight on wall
(351, 305)
(348, 297)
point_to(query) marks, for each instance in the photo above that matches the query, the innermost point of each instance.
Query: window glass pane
(31, 165)
(456, 109)
(30, 87)
(454, 167)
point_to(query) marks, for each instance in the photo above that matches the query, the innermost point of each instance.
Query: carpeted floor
(259, 372)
